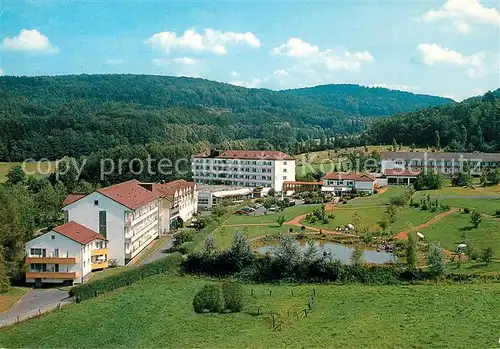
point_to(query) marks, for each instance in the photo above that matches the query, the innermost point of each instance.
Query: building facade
(445, 163)
(67, 254)
(178, 202)
(338, 183)
(243, 168)
(126, 214)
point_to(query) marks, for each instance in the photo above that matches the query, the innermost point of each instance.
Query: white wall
(86, 213)
(67, 248)
(363, 185)
(281, 169)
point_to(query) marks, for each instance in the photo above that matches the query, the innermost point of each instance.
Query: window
(66, 216)
(284, 170)
(53, 236)
(284, 178)
(284, 163)
(96, 202)
(56, 253)
(102, 223)
(38, 252)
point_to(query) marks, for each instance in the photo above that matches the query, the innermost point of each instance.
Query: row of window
(234, 169)
(448, 163)
(236, 162)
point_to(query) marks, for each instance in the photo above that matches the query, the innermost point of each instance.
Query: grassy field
(44, 167)
(288, 213)
(448, 230)
(157, 312)
(224, 236)
(8, 299)
(370, 216)
(464, 191)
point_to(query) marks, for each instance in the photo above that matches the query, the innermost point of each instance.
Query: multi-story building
(126, 214)
(339, 183)
(67, 254)
(446, 163)
(244, 168)
(178, 200)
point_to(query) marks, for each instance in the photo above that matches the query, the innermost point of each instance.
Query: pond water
(336, 251)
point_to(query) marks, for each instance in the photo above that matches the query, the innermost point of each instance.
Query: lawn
(488, 206)
(9, 298)
(289, 213)
(464, 191)
(448, 230)
(29, 167)
(224, 236)
(157, 312)
(108, 272)
(370, 216)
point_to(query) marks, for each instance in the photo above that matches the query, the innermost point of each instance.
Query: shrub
(210, 299)
(110, 283)
(397, 200)
(466, 210)
(233, 296)
(497, 213)
(182, 237)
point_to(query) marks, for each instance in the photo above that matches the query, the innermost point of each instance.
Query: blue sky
(447, 48)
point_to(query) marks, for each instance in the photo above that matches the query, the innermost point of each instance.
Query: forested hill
(79, 114)
(367, 101)
(471, 125)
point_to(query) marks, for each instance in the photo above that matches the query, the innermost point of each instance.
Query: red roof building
(130, 194)
(353, 176)
(78, 233)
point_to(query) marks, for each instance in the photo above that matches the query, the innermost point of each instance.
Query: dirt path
(404, 234)
(382, 190)
(491, 217)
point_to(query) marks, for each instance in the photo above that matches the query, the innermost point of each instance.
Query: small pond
(336, 251)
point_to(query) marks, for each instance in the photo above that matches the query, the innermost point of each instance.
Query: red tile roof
(250, 154)
(353, 176)
(130, 194)
(401, 172)
(303, 183)
(72, 198)
(171, 187)
(78, 232)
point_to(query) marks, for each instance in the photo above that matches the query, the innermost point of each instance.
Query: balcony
(51, 275)
(99, 265)
(99, 252)
(174, 211)
(51, 260)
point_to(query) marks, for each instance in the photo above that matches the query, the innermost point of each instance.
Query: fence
(12, 320)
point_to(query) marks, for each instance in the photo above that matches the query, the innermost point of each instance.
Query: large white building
(67, 254)
(447, 163)
(127, 214)
(244, 168)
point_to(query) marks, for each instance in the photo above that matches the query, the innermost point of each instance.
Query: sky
(446, 48)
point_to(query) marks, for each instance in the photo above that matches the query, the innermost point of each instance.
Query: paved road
(35, 299)
(161, 252)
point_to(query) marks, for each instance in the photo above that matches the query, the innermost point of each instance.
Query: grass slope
(288, 213)
(157, 312)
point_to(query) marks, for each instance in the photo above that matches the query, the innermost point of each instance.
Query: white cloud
(211, 40)
(462, 11)
(249, 84)
(29, 41)
(114, 61)
(434, 54)
(2, 72)
(234, 74)
(295, 47)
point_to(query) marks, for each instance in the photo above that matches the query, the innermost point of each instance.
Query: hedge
(110, 283)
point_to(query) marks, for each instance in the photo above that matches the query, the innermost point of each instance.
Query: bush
(233, 296)
(182, 237)
(110, 283)
(209, 300)
(466, 210)
(497, 213)
(399, 200)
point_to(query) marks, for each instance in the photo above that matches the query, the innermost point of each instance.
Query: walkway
(404, 234)
(34, 303)
(160, 252)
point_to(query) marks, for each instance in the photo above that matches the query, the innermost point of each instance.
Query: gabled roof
(353, 176)
(248, 154)
(130, 194)
(78, 232)
(439, 156)
(72, 198)
(171, 187)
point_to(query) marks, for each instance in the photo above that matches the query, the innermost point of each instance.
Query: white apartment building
(244, 168)
(339, 183)
(67, 254)
(446, 163)
(178, 199)
(126, 214)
